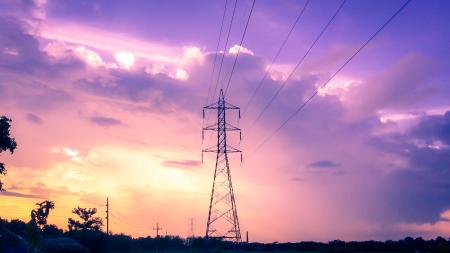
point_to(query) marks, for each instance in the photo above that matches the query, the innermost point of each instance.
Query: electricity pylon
(223, 220)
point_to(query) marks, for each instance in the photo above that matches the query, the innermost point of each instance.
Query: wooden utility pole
(191, 228)
(158, 228)
(107, 216)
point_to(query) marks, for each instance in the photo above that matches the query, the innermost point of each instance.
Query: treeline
(54, 239)
(408, 244)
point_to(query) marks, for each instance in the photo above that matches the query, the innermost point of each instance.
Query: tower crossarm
(215, 127)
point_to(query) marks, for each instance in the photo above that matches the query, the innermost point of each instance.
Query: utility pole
(107, 216)
(223, 220)
(246, 237)
(158, 228)
(191, 228)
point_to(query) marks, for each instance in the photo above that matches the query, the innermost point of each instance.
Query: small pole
(158, 228)
(107, 216)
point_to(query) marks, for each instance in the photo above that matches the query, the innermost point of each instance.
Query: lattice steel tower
(222, 217)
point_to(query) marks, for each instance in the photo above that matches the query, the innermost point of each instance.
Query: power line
(276, 57)
(223, 55)
(215, 57)
(274, 96)
(240, 45)
(329, 79)
(217, 49)
(225, 48)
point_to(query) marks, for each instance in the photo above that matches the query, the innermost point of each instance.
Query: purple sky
(106, 99)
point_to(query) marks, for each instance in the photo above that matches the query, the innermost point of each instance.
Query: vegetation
(88, 221)
(6, 143)
(42, 212)
(82, 240)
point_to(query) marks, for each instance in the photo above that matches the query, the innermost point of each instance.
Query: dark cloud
(323, 164)
(20, 195)
(33, 118)
(419, 191)
(433, 128)
(184, 164)
(26, 69)
(18, 49)
(106, 121)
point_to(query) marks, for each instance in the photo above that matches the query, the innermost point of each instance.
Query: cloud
(323, 164)
(184, 164)
(33, 118)
(73, 154)
(413, 82)
(418, 190)
(433, 129)
(20, 195)
(125, 59)
(242, 50)
(105, 121)
(299, 179)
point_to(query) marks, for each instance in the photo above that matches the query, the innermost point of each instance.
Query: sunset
(341, 110)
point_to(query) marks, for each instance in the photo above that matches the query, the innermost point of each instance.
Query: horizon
(106, 100)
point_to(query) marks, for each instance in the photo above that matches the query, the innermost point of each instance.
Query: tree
(88, 221)
(42, 212)
(6, 143)
(33, 233)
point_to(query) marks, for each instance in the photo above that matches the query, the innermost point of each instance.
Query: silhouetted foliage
(16, 226)
(52, 231)
(33, 233)
(11, 242)
(53, 239)
(94, 240)
(88, 221)
(6, 143)
(58, 245)
(42, 212)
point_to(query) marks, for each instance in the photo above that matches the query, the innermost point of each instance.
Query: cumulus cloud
(242, 50)
(125, 59)
(416, 192)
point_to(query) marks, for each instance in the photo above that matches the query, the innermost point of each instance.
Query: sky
(106, 100)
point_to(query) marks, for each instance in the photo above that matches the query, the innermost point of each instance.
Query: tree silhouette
(88, 221)
(6, 143)
(42, 212)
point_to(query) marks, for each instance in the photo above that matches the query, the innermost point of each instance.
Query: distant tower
(222, 217)
(191, 228)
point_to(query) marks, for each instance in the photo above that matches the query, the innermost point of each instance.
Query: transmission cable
(217, 49)
(329, 79)
(225, 48)
(276, 57)
(215, 58)
(240, 46)
(275, 95)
